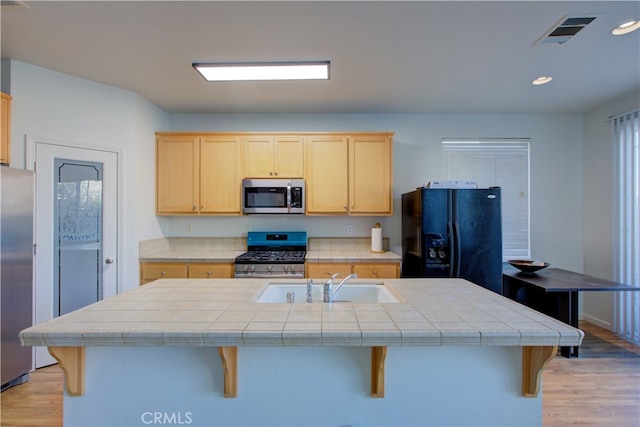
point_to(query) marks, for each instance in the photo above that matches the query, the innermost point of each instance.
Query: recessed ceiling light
(264, 71)
(542, 80)
(625, 28)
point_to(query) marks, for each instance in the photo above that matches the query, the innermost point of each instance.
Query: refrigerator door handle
(456, 248)
(452, 248)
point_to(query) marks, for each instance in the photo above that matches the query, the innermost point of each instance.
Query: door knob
(109, 260)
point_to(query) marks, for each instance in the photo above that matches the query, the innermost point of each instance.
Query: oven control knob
(253, 268)
(269, 268)
(246, 269)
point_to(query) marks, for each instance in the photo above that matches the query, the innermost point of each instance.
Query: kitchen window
(497, 163)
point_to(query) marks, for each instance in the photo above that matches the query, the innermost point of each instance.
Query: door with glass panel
(77, 234)
(76, 230)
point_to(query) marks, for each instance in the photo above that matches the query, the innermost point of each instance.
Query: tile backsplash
(342, 244)
(334, 244)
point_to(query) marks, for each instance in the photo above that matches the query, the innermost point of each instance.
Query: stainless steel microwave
(273, 196)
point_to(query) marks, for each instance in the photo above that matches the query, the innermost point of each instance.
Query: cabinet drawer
(376, 271)
(209, 271)
(324, 271)
(154, 271)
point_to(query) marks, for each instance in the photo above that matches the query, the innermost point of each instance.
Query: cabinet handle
(208, 274)
(276, 173)
(270, 173)
(346, 208)
(375, 273)
(163, 274)
(194, 207)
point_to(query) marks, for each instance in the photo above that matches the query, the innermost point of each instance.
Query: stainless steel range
(273, 254)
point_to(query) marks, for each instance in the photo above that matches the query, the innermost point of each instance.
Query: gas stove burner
(273, 254)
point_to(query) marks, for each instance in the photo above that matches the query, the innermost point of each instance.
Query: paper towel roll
(376, 239)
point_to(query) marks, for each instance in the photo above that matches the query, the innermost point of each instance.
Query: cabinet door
(258, 157)
(210, 271)
(288, 156)
(5, 129)
(177, 170)
(326, 174)
(326, 270)
(370, 179)
(377, 271)
(221, 174)
(150, 271)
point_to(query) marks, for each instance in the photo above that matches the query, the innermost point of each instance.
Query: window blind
(497, 163)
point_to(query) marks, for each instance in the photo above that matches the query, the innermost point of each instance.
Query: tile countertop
(223, 312)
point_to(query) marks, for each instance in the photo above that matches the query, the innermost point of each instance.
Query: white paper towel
(376, 239)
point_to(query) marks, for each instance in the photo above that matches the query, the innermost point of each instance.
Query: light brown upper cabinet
(177, 174)
(326, 174)
(221, 174)
(198, 174)
(345, 173)
(370, 177)
(349, 174)
(274, 156)
(5, 129)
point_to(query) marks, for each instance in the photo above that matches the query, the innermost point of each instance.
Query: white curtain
(626, 130)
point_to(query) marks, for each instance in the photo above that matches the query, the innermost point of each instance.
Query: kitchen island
(204, 352)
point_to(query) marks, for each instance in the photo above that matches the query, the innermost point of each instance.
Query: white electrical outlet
(189, 229)
(349, 228)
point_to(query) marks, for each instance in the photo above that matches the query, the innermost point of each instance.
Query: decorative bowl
(527, 265)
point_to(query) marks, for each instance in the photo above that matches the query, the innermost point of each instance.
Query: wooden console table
(554, 291)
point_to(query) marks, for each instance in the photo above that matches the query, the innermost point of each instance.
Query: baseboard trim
(598, 322)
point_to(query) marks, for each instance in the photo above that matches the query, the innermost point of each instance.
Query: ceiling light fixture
(224, 72)
(541, 80)
(625, 28)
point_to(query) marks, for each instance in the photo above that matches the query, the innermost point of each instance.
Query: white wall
(556, 171)
(63, 107)
(598, 204)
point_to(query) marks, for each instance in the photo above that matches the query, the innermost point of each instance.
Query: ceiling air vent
(566, 29)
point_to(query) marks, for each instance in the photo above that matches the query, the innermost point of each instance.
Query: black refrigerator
(453, 233)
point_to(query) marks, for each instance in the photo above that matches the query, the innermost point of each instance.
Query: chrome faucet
(329, 291)
(309, 288)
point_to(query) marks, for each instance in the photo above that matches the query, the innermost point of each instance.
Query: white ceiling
(386, 57)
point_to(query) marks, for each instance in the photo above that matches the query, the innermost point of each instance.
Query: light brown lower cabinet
(150, 271)
(387, 270)
(208, 271)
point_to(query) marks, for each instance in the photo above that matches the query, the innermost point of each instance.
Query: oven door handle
(268, 276)
(289, 197)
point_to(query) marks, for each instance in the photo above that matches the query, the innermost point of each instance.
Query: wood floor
(600, 388)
